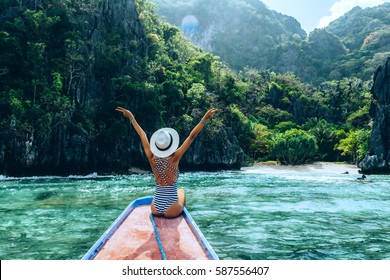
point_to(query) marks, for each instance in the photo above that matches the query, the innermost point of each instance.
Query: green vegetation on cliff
(66, 65)
(246, 33)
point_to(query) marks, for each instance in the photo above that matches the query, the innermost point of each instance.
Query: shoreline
(259, 167)
(315, 167)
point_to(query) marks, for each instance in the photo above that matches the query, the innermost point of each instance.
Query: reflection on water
(244, 215)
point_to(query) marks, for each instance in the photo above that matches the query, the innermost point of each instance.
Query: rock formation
(69, 148)
(378, 159)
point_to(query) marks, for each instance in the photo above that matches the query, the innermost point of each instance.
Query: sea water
(251, 214)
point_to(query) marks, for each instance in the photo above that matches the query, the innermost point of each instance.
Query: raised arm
(144, 139)
(197, 129)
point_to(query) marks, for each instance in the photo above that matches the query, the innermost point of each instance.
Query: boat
(138, 235)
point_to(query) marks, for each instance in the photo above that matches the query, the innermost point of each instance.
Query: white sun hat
(164, 142)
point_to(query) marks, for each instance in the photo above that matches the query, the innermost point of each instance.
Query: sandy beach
(316, 167)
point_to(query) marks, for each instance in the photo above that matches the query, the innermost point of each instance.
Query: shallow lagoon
(256, 213)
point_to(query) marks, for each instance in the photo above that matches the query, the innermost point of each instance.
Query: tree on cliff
(66, 65)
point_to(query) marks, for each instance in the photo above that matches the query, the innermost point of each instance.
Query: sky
(317, 13)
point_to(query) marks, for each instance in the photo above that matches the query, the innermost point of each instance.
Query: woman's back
(165, 171)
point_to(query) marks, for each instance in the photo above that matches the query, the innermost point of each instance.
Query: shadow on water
(45, 195)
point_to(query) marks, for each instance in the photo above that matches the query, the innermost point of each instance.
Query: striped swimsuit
(166, 194)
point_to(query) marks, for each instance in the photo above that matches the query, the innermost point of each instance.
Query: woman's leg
(182, 197)
(176, 208)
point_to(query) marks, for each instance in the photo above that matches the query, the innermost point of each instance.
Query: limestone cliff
(107, 40)
(68, 147)
(378, 160)
(243, 32)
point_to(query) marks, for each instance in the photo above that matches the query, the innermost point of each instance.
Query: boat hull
(132, 237)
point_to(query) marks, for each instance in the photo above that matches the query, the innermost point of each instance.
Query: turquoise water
(243, 214)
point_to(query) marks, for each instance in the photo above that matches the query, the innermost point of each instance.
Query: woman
(164, 156)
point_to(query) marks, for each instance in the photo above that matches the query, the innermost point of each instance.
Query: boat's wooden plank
(134, 239)
(178, 240)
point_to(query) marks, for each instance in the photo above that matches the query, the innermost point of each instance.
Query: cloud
(342, 6)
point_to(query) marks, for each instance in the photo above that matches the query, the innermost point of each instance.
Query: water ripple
(244, 215)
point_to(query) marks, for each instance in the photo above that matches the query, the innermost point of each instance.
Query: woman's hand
(126, 113)
(209, 114)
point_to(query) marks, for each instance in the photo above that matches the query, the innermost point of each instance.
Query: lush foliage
(355, 145)
(351, 46)
(44, 61)
(294, 146)
(317, 119)
(31, 87)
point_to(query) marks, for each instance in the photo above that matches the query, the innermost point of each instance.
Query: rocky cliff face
(246, 33)
(215, 151)
(303, 59)
(241, 32)
(69, 148)
(72, 148)
(378, 161)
